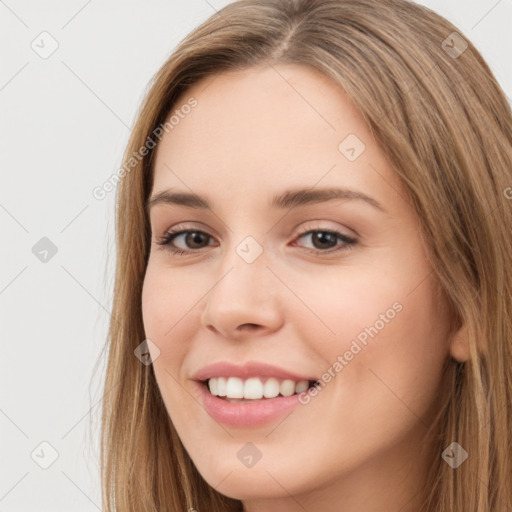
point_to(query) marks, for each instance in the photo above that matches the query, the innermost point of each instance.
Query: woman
(313, 288)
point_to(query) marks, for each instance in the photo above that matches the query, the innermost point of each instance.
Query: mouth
(255, 389)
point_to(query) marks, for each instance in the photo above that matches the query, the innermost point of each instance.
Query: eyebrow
(284, 200)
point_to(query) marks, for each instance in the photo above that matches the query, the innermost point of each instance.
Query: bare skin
(356, 445)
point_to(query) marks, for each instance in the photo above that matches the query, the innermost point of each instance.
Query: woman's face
(267, 283)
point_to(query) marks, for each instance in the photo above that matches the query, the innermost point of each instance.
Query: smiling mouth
(255, 389)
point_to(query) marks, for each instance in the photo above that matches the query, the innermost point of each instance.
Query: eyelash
(168, 237)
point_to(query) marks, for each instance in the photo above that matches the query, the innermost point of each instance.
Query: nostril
(248, 327)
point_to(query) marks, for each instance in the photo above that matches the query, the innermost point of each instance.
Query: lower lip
(248, 414)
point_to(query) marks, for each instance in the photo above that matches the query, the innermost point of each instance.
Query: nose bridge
(244, 271)
(244, 292)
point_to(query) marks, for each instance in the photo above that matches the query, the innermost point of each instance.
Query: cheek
(339, 307)
(382, 340)
(167, 305)
(393, 354)
(167, 310)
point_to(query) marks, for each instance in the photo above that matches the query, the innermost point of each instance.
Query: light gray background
(64, 122)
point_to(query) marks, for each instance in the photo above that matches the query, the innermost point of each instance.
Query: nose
(244, 301)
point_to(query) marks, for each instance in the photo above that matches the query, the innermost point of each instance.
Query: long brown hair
(443, 121)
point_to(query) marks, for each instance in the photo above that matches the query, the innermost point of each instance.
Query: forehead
(268, 128)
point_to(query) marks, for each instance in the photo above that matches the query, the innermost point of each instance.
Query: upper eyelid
(180, 227)
(184, 226)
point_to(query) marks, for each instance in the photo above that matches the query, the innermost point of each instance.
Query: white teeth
(301, 386)
(287, 387)
(213, 386)
(255, 388)
(221, 386)
(271, 388)
(235, 388)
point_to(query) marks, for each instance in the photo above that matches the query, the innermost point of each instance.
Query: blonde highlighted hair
(446, 127)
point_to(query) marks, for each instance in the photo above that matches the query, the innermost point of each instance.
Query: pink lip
(250, 414)
(249, 369)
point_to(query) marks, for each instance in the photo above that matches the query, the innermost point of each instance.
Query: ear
(459, 345)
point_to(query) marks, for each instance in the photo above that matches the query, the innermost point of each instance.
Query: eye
(192, 238)
(322, 237)
(324, 240)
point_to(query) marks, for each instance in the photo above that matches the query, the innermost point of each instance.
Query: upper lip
(249, 369)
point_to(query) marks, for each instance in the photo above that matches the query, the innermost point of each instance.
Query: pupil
(322, 236)
(194, 237)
